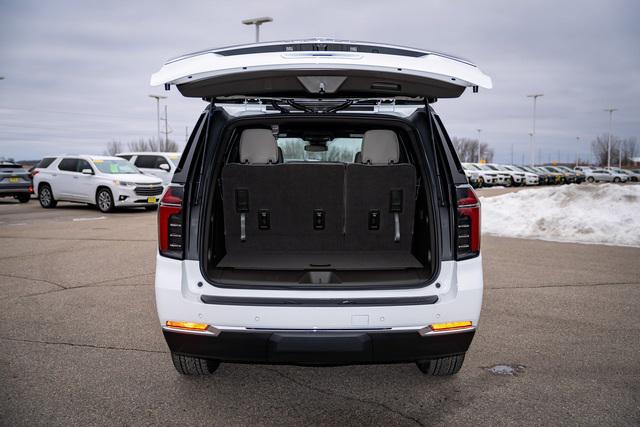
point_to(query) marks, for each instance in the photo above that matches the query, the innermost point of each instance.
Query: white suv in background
(162, 165)
(107, 182)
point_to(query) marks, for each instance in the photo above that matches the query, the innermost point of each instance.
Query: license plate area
(321, 347)
(14, 179)
(152, 200)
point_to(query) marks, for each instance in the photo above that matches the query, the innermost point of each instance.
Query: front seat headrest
(380, 147)
(258, 146)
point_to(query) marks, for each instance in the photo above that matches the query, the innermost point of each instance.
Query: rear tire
(24, 198)
(591, 180)
(441, 367)
(104, 200)
(616, 179)
(45, 196)
(187, 365)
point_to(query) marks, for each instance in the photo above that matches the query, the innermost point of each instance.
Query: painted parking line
(93, 218)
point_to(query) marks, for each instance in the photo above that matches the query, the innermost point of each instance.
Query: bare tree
(629, 147)
(153, 145)
(467, 150)
(113, 148)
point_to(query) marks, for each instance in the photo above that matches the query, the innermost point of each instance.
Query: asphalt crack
(90, 285)
(37, 280)
(347, 397)
(69, 344)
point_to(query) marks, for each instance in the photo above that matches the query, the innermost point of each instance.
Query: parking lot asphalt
(81, 342)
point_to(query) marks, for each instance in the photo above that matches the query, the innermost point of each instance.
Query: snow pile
(586, 213)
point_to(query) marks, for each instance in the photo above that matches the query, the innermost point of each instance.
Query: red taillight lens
(170, 236)
(468, 223)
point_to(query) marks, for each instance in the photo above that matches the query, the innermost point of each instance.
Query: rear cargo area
(309, 206)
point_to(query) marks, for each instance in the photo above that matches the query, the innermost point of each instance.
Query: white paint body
(178, 298)
(78, 187)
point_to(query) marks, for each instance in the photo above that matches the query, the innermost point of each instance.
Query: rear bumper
(15, 189)
(318, 348)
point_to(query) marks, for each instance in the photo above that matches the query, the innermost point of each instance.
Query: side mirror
(165, 167)
(87, 172)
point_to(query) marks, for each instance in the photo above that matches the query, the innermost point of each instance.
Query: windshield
(112, 166)
(492, 167)
(485, 168)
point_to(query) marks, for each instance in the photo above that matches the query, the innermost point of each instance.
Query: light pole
(158, 98)
(610, 111)
(620, 154)
(578, 150)
(479, 130)
(532, 141)
(257, 22)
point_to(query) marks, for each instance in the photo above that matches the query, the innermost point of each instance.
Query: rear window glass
(44, 163)
(336, 150)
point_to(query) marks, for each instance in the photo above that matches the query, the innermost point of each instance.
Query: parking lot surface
(558, 341)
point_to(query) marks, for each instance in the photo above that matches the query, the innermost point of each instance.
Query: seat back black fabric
(304, 204)
(370, 190)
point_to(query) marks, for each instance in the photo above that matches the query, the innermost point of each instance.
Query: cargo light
(189, 326)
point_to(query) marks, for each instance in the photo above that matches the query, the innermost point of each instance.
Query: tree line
(467, 149)
(168, 146)
(623, 149)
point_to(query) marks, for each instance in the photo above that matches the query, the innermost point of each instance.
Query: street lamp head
(157, 96)
(257, 21)
(535, 95)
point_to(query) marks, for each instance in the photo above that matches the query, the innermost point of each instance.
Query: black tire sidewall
(111, 206)
(52, 202)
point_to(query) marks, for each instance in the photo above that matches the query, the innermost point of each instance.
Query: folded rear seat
(270, 206)
(380, 196)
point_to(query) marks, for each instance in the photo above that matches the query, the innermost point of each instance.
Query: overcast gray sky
(77, 72)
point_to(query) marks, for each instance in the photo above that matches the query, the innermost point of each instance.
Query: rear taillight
(467, 223)
(170, 235)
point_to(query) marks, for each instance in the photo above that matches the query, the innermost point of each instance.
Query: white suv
(161, 165)
(107, 182)
(319, 214)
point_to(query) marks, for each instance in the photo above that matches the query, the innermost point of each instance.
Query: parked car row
(492, 174)
(15, 182)
(108, 182)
